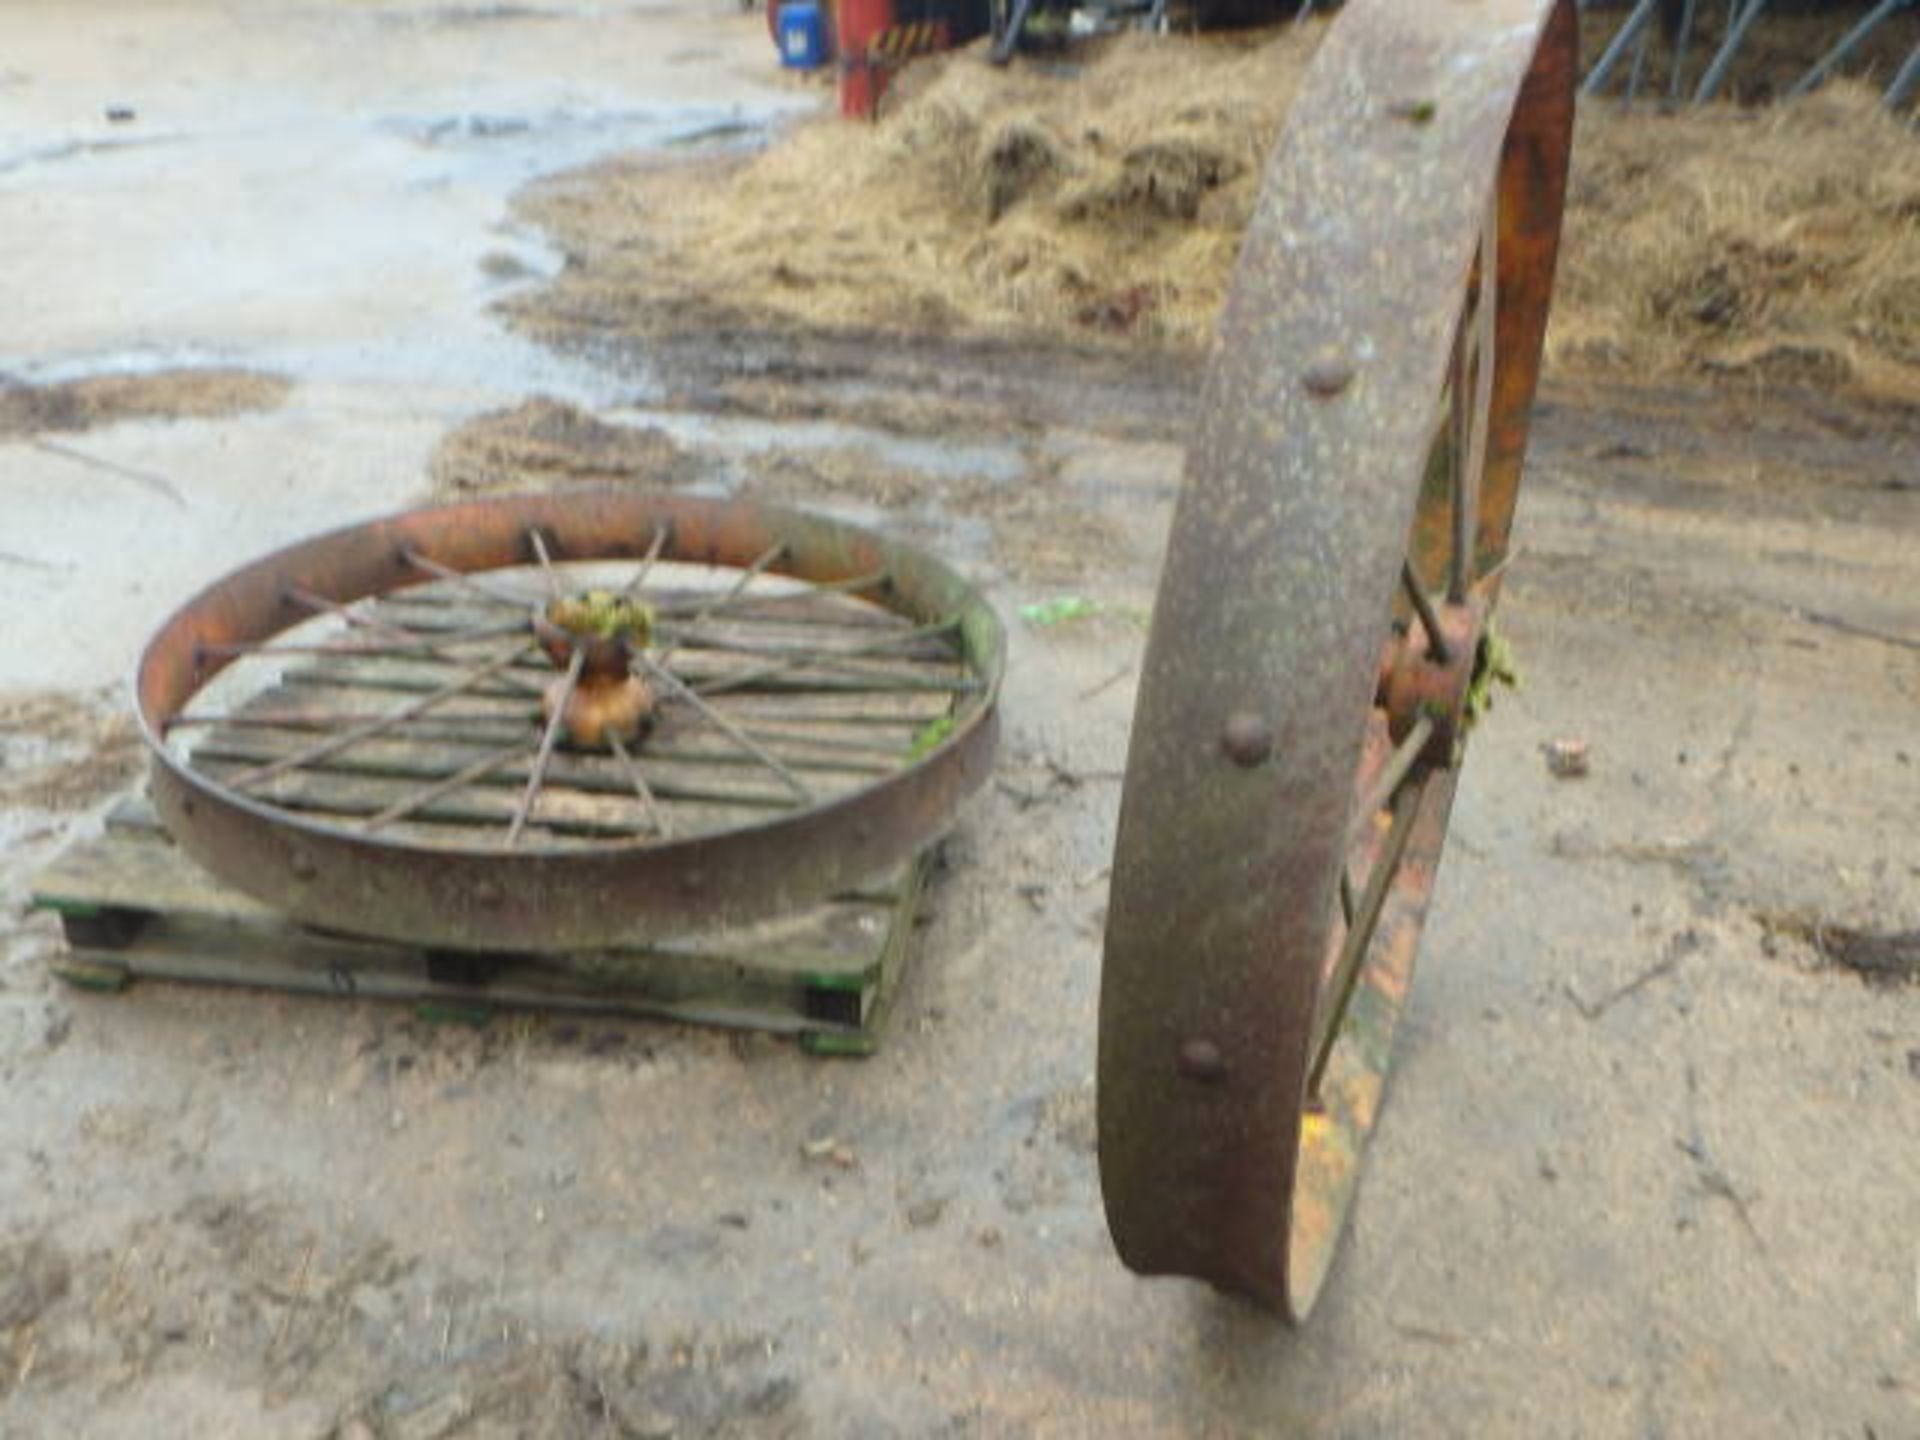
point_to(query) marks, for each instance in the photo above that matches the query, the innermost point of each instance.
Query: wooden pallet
(132, 905)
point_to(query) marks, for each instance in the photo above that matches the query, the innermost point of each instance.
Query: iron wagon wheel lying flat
(1294, 751)
(824, 698)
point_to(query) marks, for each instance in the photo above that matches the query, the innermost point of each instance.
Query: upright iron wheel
(1320, 640)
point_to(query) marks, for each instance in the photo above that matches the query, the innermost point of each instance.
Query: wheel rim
(1237, 1088)
(447, 786)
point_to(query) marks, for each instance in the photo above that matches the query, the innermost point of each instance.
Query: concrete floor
(1649, 1168)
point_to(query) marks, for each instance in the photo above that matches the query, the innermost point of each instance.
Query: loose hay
(1007, 202)
(1107, 202)
(187, 393)
(1781, 244)
(543, 444)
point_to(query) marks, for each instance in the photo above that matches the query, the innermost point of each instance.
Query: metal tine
(1847, 45)
(1676, 76)
(1723, 59)
(1905, 82)
(1639, 68)
(1631, 27)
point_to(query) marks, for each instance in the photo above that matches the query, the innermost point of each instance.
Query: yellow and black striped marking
(902, 42)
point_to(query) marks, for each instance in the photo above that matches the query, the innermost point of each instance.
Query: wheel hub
(1428, 674)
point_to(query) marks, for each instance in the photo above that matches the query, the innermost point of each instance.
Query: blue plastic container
(803, 35)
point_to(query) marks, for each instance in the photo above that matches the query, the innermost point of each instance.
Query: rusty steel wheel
(549, 722)
(1321, 623)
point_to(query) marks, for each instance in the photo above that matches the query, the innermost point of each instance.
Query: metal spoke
(1346, 897)
(303, 719)
(1459, 424)
(853, 585)
(1417, 593)
(548, 740)
(791, 658)
(334, 744)
(894, 639)
(726, 727)
(427, 794)
(1395, 772)
(417, 648)
(640, 787)
(746, 578)
(633, 586)
(1359, 937)
(546, 564)
(854, 681)
(500, 595)
(402, 634)
(1466, 481)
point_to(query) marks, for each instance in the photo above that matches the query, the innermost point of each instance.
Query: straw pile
(1104, 203)
(1780, 243)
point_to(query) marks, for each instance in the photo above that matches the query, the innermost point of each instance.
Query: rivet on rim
(302, 866)
(1326, 378)
(487, 893)
(1201, 1060)
(1246, 738)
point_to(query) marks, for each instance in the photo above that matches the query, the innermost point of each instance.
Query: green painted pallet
(133, 906)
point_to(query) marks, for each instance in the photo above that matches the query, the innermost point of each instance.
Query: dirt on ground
(1649, 1145)
(62, 752)
(1104, 202)
(295, 1304)
(544, 443)
(69, 406)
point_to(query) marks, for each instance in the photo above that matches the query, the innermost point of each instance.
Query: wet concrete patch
(460, 16)
(65, 150)
(576, 131)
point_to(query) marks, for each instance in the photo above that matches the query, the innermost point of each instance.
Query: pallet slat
(135, 906)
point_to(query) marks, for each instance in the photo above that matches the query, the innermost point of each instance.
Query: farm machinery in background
(1701, 41)
(872, 38)
(1686, 50)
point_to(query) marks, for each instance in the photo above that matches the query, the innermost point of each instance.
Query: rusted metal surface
(1420, 682)
(483, 895)
(1303, 501)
